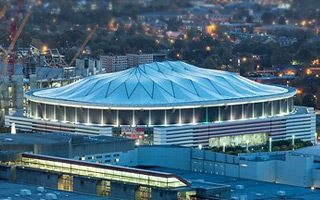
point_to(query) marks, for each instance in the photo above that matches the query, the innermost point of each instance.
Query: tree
(305, 55)
(174, 24)
(281, 57)
(309, 100)
(267, 18)
(240, 14)
(249, 19)
(212, 62)
(193, 32)
(282, 20)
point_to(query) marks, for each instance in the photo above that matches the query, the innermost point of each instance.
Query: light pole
(247, 145)
(13, 128)
(270, 144)
(293, 142)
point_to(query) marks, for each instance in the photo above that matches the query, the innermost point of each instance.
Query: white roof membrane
(169, 83)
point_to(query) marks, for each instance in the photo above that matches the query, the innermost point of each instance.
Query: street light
(224, 147)
(44, 49)
(303, 23)
(247, 145)
(308, 72)
(299, 91)
(293, 143)
(13, 128)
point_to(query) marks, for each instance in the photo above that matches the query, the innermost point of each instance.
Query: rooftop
(48, 138)
(160, 84)
(310, 151)
(253, 189)
(13, 190)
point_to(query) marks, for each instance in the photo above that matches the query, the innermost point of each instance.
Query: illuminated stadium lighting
(170, 96)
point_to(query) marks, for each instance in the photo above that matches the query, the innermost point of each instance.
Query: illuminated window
(100, 171)
(65, 182)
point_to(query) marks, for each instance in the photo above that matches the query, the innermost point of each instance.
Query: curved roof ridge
(167, 83)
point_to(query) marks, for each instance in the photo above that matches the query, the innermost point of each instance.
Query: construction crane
(9, 54)
(14, 99)
(3, 11)
(13, 36)
(88, 38)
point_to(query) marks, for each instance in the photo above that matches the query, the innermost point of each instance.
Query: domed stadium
(160, 94)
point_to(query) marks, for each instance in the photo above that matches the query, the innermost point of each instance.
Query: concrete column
(33, 81)
(117, 118)
(45, 111)
(165, 117)
(88, 116)
(193, 116)
(149, 120)
(101, 117)
(242, 111)
(253, 115)
(207, 114)
(133, 118)
(76, 115)
(54, 112)
(37, 115)
(65, 113)
(17, 88)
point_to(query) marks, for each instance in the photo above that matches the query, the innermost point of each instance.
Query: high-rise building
(138, 59)
(119, 63)
(114, 63)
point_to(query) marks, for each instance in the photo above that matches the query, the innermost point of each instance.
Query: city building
(22, 191)
(175, 103)
(33, 69)
(88, 66)
(156, 173)
(104, 180)
(11, 90)
(114, 63)
(138, 59)
(98, 149)
(273, 167)
(119, 63)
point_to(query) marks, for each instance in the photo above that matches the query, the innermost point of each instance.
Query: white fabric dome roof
(169, 83)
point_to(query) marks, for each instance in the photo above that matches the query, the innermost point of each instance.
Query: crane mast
(12, 35)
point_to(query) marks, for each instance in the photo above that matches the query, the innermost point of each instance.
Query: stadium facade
(180, 103)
